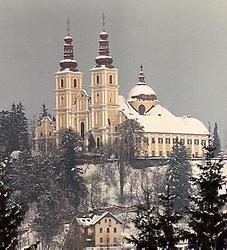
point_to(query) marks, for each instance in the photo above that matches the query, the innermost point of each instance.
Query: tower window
(74, 83)
(97, 79)
(62, 83)
(111, 79)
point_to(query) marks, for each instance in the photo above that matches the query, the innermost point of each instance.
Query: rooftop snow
(160, 120)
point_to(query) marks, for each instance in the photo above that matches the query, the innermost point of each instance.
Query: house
(103, 230)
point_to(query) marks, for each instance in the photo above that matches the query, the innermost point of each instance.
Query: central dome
(142, 92)
(142, 97)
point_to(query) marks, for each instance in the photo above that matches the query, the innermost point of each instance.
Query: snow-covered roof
(67, 60)
(161, 120)
(103, 56)
(96, 218)
(140, 88)
(68, 37)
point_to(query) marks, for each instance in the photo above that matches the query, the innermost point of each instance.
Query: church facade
(101, 111)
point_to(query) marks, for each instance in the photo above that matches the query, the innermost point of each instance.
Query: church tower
(70, 96)
(104, 92)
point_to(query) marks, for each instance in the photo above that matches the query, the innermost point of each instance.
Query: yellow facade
(102, 231)
(101, 112)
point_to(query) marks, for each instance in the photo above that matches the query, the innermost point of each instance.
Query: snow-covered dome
(142, 92)
(142, 97)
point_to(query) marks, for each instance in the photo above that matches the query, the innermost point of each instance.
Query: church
(101, 111)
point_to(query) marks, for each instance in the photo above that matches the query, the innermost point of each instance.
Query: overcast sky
(182, 45)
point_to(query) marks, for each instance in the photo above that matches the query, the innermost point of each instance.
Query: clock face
(141, 109)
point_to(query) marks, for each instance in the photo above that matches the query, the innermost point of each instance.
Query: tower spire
(68, 26)
(68, 62)
(104, 57)
(103, 22)
(141, 75)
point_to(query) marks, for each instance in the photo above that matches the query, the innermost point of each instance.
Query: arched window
(111, 79)
(74, 83)
(98, 142)
(82, 130)
(97, 79)
(62, 83)
(141, 109)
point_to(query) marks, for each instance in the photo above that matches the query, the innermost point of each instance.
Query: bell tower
(68, 83)
(104, 92)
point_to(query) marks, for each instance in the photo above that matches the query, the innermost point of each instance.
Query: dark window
(97, 79)
(105, 219)
(115, 230)
(196, 154)
(82, 130)
(167, 140)
(145, 140)
(189, 141)
(101, 240)
(182, 141)
(75, 83)
(101, 230)
(153, 140)
(41, 134)
(62, 83)
(141, 109)
(160, 140)
(111, 79)
(160, 153)
(168, 153)
(107, 230)
(203, 142)
(115, 129)
(49, 133)
(109, 220)
(196, 142)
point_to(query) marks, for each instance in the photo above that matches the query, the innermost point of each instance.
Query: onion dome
(142, 97)
(104, 57)
(68, 62)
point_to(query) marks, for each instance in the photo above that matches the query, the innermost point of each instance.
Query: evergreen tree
(44, 111)
(70, 171)
(217, 142)
(207, 217)
(169, 233)
(13, 130)
(157, 227)
(147, 225)
(179, 174)
(11, 216)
